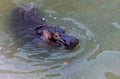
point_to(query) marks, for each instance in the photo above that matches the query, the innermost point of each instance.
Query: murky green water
(96, 23)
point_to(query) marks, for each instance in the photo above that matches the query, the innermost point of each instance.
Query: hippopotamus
(32, 25)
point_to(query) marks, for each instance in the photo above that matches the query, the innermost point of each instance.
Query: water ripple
(28, 59)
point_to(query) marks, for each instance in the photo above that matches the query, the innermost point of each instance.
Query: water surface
(95, 23)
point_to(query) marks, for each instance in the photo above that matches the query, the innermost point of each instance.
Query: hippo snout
(69, 42)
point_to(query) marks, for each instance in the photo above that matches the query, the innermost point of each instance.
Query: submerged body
(31, 25)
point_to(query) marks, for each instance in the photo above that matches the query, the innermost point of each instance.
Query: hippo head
(57, 37)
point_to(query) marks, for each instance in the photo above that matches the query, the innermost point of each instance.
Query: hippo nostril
(72, 44)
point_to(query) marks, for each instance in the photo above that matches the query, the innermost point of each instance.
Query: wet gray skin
(32, 25)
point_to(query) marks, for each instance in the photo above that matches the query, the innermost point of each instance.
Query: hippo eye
(56, 36)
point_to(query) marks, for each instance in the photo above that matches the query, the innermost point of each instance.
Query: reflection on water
(110, 75)
(99, 68)
(93, 22)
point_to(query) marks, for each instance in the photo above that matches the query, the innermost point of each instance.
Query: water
(95, 23)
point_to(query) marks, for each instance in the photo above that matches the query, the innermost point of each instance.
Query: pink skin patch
(46, 35)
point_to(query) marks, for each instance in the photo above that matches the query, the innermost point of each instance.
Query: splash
(26, 6)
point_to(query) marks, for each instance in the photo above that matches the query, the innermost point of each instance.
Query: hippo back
(24, 23)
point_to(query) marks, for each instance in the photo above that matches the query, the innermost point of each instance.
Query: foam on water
(116, 24)
(50, 11)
